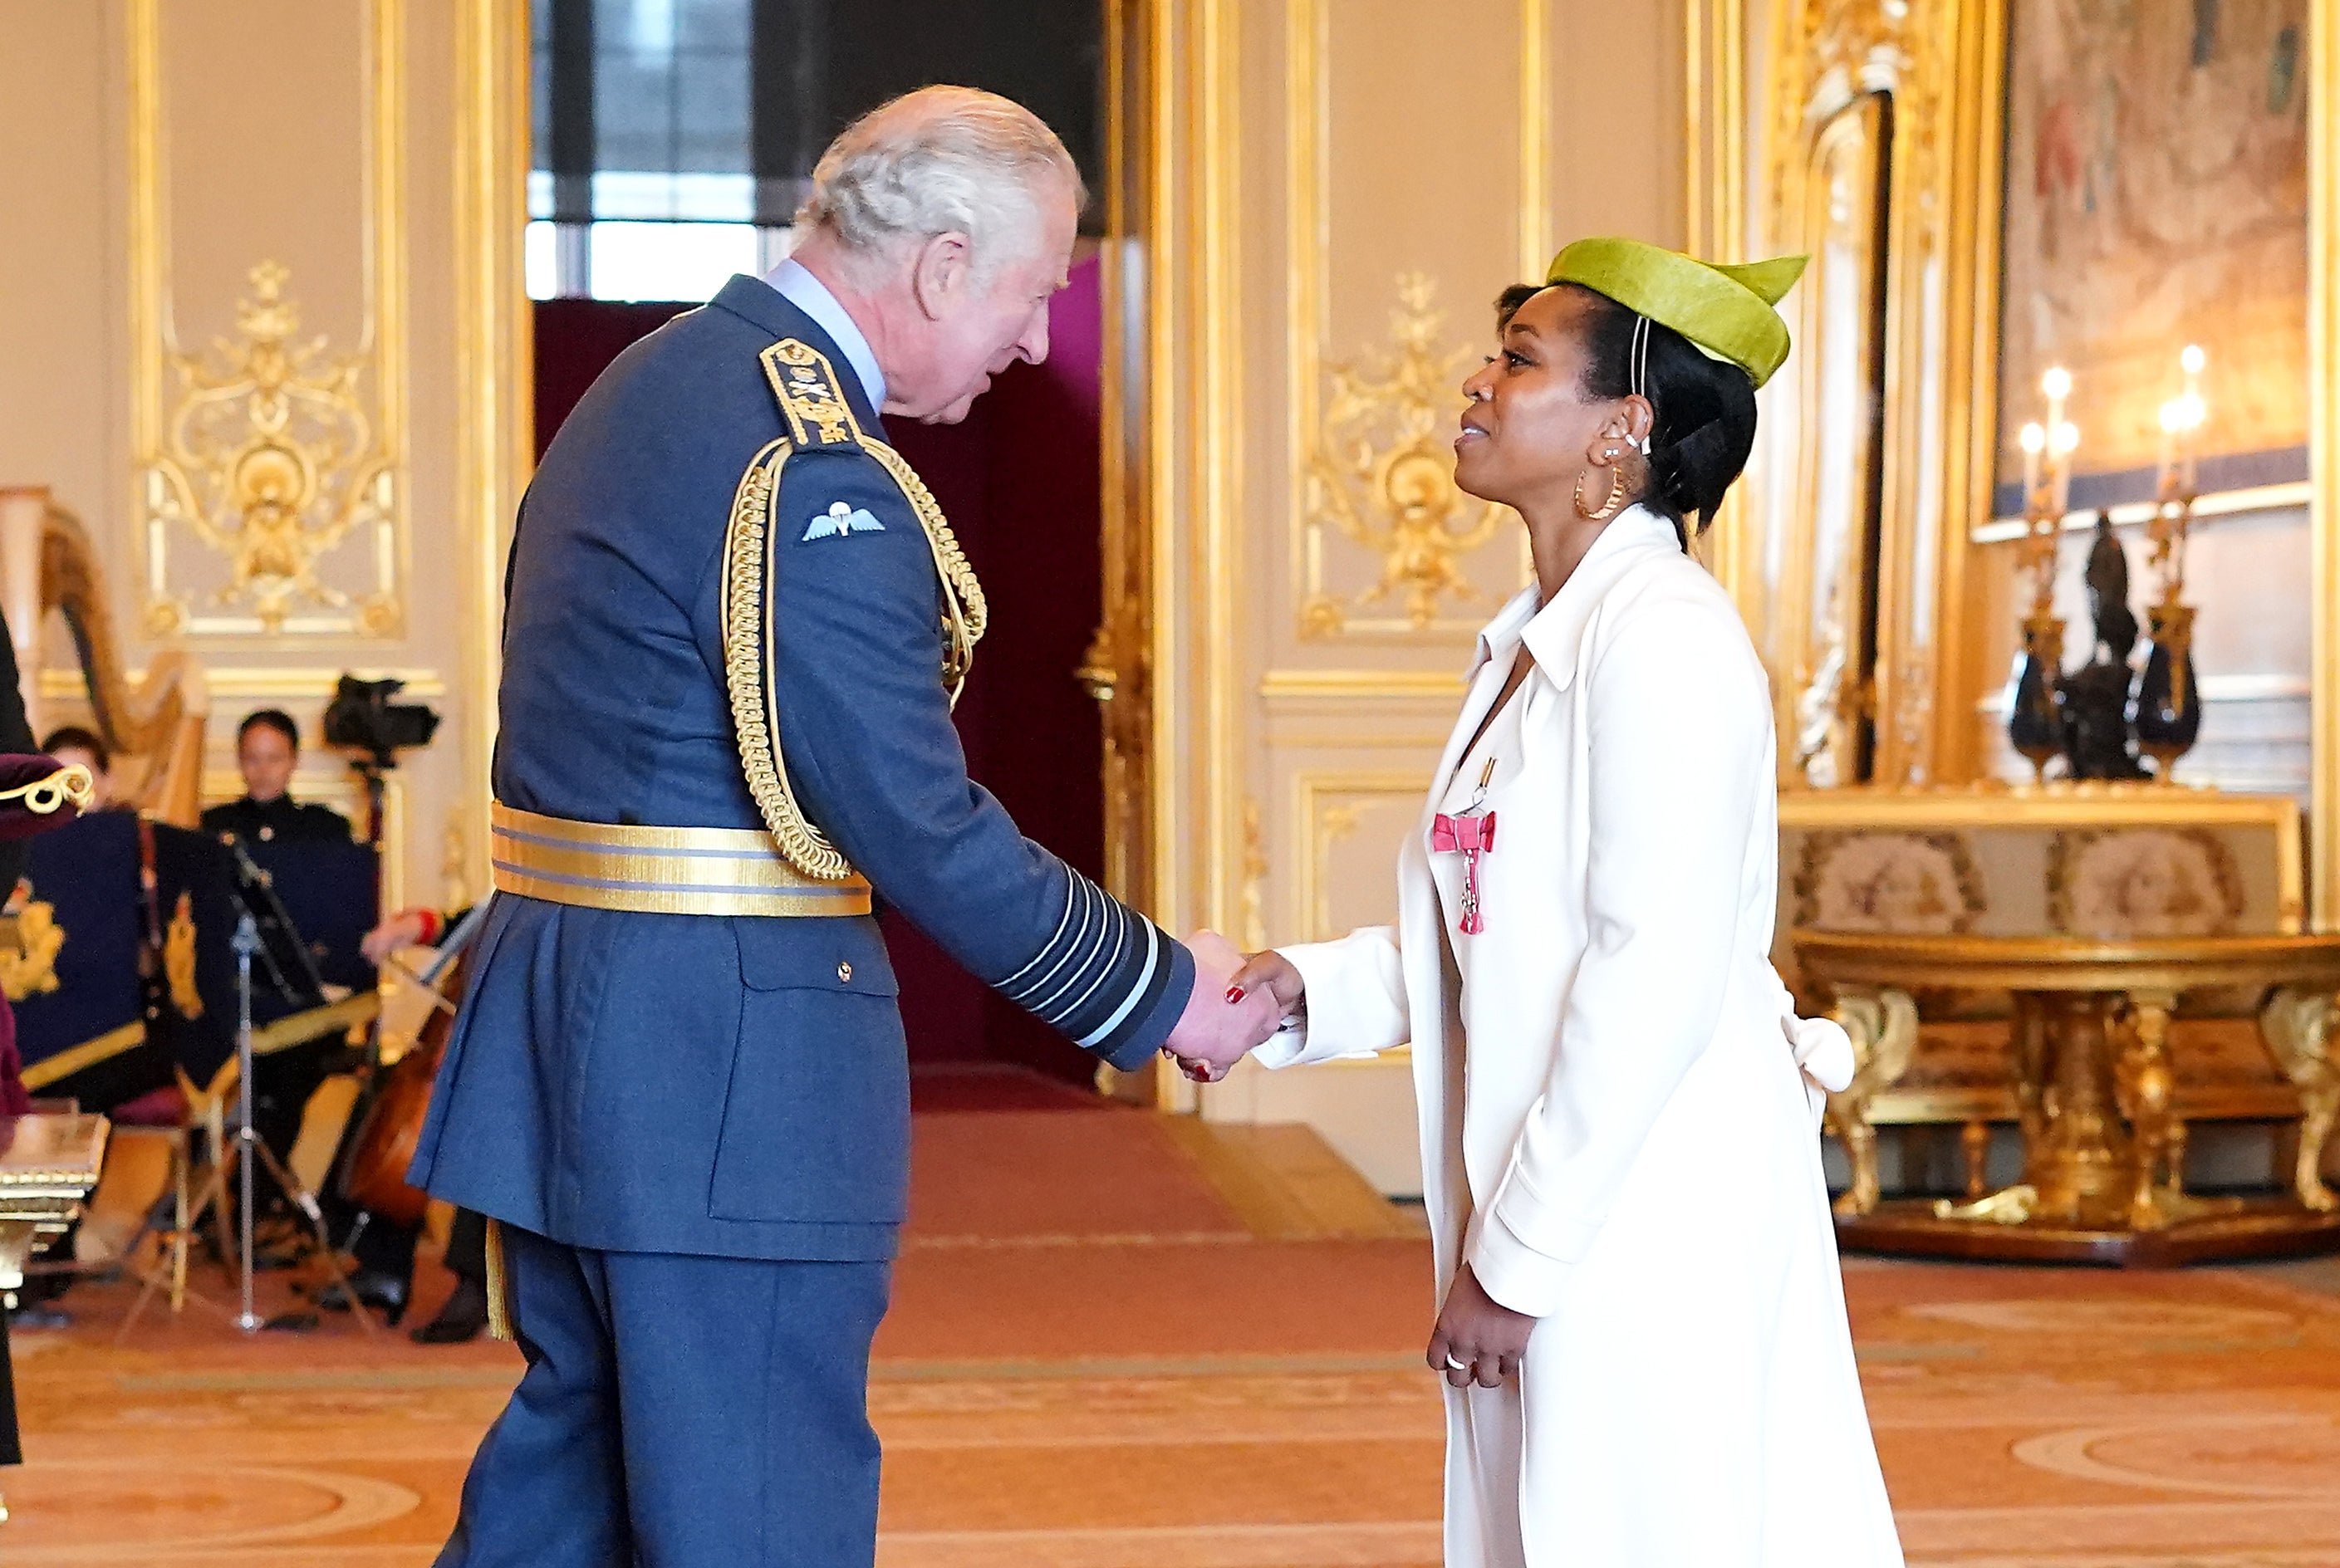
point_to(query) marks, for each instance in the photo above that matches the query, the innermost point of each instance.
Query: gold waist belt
(659, 870)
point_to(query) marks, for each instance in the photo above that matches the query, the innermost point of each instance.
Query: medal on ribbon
(1469, 833)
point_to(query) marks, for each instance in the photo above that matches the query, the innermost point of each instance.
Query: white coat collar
(1554, 633)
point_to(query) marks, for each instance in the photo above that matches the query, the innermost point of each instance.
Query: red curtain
(1019, 481)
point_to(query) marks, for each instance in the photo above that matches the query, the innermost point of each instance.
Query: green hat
(1726, 311)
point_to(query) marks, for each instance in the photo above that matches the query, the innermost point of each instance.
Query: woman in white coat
(1644, 1324)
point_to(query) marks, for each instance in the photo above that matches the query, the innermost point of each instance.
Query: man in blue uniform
(735, 621)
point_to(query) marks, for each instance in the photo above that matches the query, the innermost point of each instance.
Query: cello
(374, 1176)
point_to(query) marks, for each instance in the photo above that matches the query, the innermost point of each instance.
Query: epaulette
(814, 406)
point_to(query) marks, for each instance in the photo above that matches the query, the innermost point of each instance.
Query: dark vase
(2167, 713)
(2034, 720)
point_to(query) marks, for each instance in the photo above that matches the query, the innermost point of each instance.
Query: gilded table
(2104, 1149)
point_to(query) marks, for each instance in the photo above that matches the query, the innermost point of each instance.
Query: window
(645, 186)
(675, 138)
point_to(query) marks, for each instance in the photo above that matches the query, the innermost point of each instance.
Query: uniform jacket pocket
(816, 1119)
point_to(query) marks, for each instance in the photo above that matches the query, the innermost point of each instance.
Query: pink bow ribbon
(1470, 836)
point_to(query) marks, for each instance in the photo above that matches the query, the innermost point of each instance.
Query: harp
(154, 729)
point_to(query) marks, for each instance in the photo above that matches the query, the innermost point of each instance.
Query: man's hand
(402, 930)
(1477, 1338)
(1219, 1026)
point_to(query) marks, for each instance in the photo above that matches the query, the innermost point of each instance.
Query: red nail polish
(1234, 993)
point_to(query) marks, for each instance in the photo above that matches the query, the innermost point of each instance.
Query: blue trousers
(678, 1412)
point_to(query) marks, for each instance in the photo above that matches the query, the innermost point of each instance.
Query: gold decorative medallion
(30, 969)
(1381, 474)
(179, 958)
(271, 459)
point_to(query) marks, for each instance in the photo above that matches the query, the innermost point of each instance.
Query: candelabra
(2034, 719)
(2167, 713)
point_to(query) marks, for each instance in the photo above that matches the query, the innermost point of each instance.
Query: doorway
(1019, 481)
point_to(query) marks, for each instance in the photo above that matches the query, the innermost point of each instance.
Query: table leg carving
(1883, 1024)
(2148, 1087)
(1974, 1147)
(2297, 1025)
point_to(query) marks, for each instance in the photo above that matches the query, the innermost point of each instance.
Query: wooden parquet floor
(1200, 1374)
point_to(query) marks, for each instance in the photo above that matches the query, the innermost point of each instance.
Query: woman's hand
(1276, 973)
(1477, 1337)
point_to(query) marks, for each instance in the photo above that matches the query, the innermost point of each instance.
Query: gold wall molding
(1327, 806)
(1117, 669)
(317, 460)
(1193, 407)
(1715, 95)
(1363, 685)
(1381, 474)
(494, 365)
(262, 683)
(2323, 447)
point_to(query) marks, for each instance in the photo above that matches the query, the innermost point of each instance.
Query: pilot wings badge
(841, 519)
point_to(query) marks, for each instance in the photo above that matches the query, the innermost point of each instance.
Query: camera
(363, 718)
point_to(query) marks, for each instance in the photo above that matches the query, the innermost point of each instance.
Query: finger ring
(1455, 1365)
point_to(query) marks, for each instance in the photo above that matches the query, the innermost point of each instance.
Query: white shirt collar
(797, 285)
(1500, 636)
(1549, 630)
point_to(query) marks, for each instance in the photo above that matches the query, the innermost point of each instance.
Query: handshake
(1238, 1004)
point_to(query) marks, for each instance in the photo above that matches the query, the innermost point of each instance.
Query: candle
(2057, 384)
(2173, 414)
(2192, 411)
(2062, 442)
(2035, 442)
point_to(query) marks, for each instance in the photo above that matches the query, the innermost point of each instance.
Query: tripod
(246, 1155)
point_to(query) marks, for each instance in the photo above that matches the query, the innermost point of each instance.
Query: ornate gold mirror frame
(1873, 153)
(1941, 67)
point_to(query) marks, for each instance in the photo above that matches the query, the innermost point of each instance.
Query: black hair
(1705, 406)
(74, 737)
(274, 718)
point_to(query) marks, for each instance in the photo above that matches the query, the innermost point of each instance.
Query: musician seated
(384, 1251)
(71, 744)
(267, 748)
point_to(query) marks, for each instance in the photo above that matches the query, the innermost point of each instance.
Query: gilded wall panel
(1394, 265)
(268, 315)
(156, 154)
(1331, 194)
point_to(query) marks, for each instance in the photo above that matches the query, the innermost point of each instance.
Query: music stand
(292, 968)
(292, 972)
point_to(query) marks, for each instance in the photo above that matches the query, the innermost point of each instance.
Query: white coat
(1626, 1147)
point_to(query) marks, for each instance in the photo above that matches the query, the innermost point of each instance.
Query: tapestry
(2157, 196)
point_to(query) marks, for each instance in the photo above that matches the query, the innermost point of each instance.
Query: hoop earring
(1610, 506)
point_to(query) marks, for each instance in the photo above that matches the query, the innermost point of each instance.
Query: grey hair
(933, 162)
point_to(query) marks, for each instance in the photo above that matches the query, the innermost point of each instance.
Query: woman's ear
(1615, 434)
(1641, 420)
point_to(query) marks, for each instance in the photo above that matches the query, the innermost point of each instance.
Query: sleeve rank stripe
(1092, 966)
(1104, 971)
(1014, 987)
(1068, 950)
(1145, 988)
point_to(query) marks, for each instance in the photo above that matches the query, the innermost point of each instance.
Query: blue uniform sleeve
(864, 730)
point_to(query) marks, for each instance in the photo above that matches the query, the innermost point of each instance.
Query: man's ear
(940, 271)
